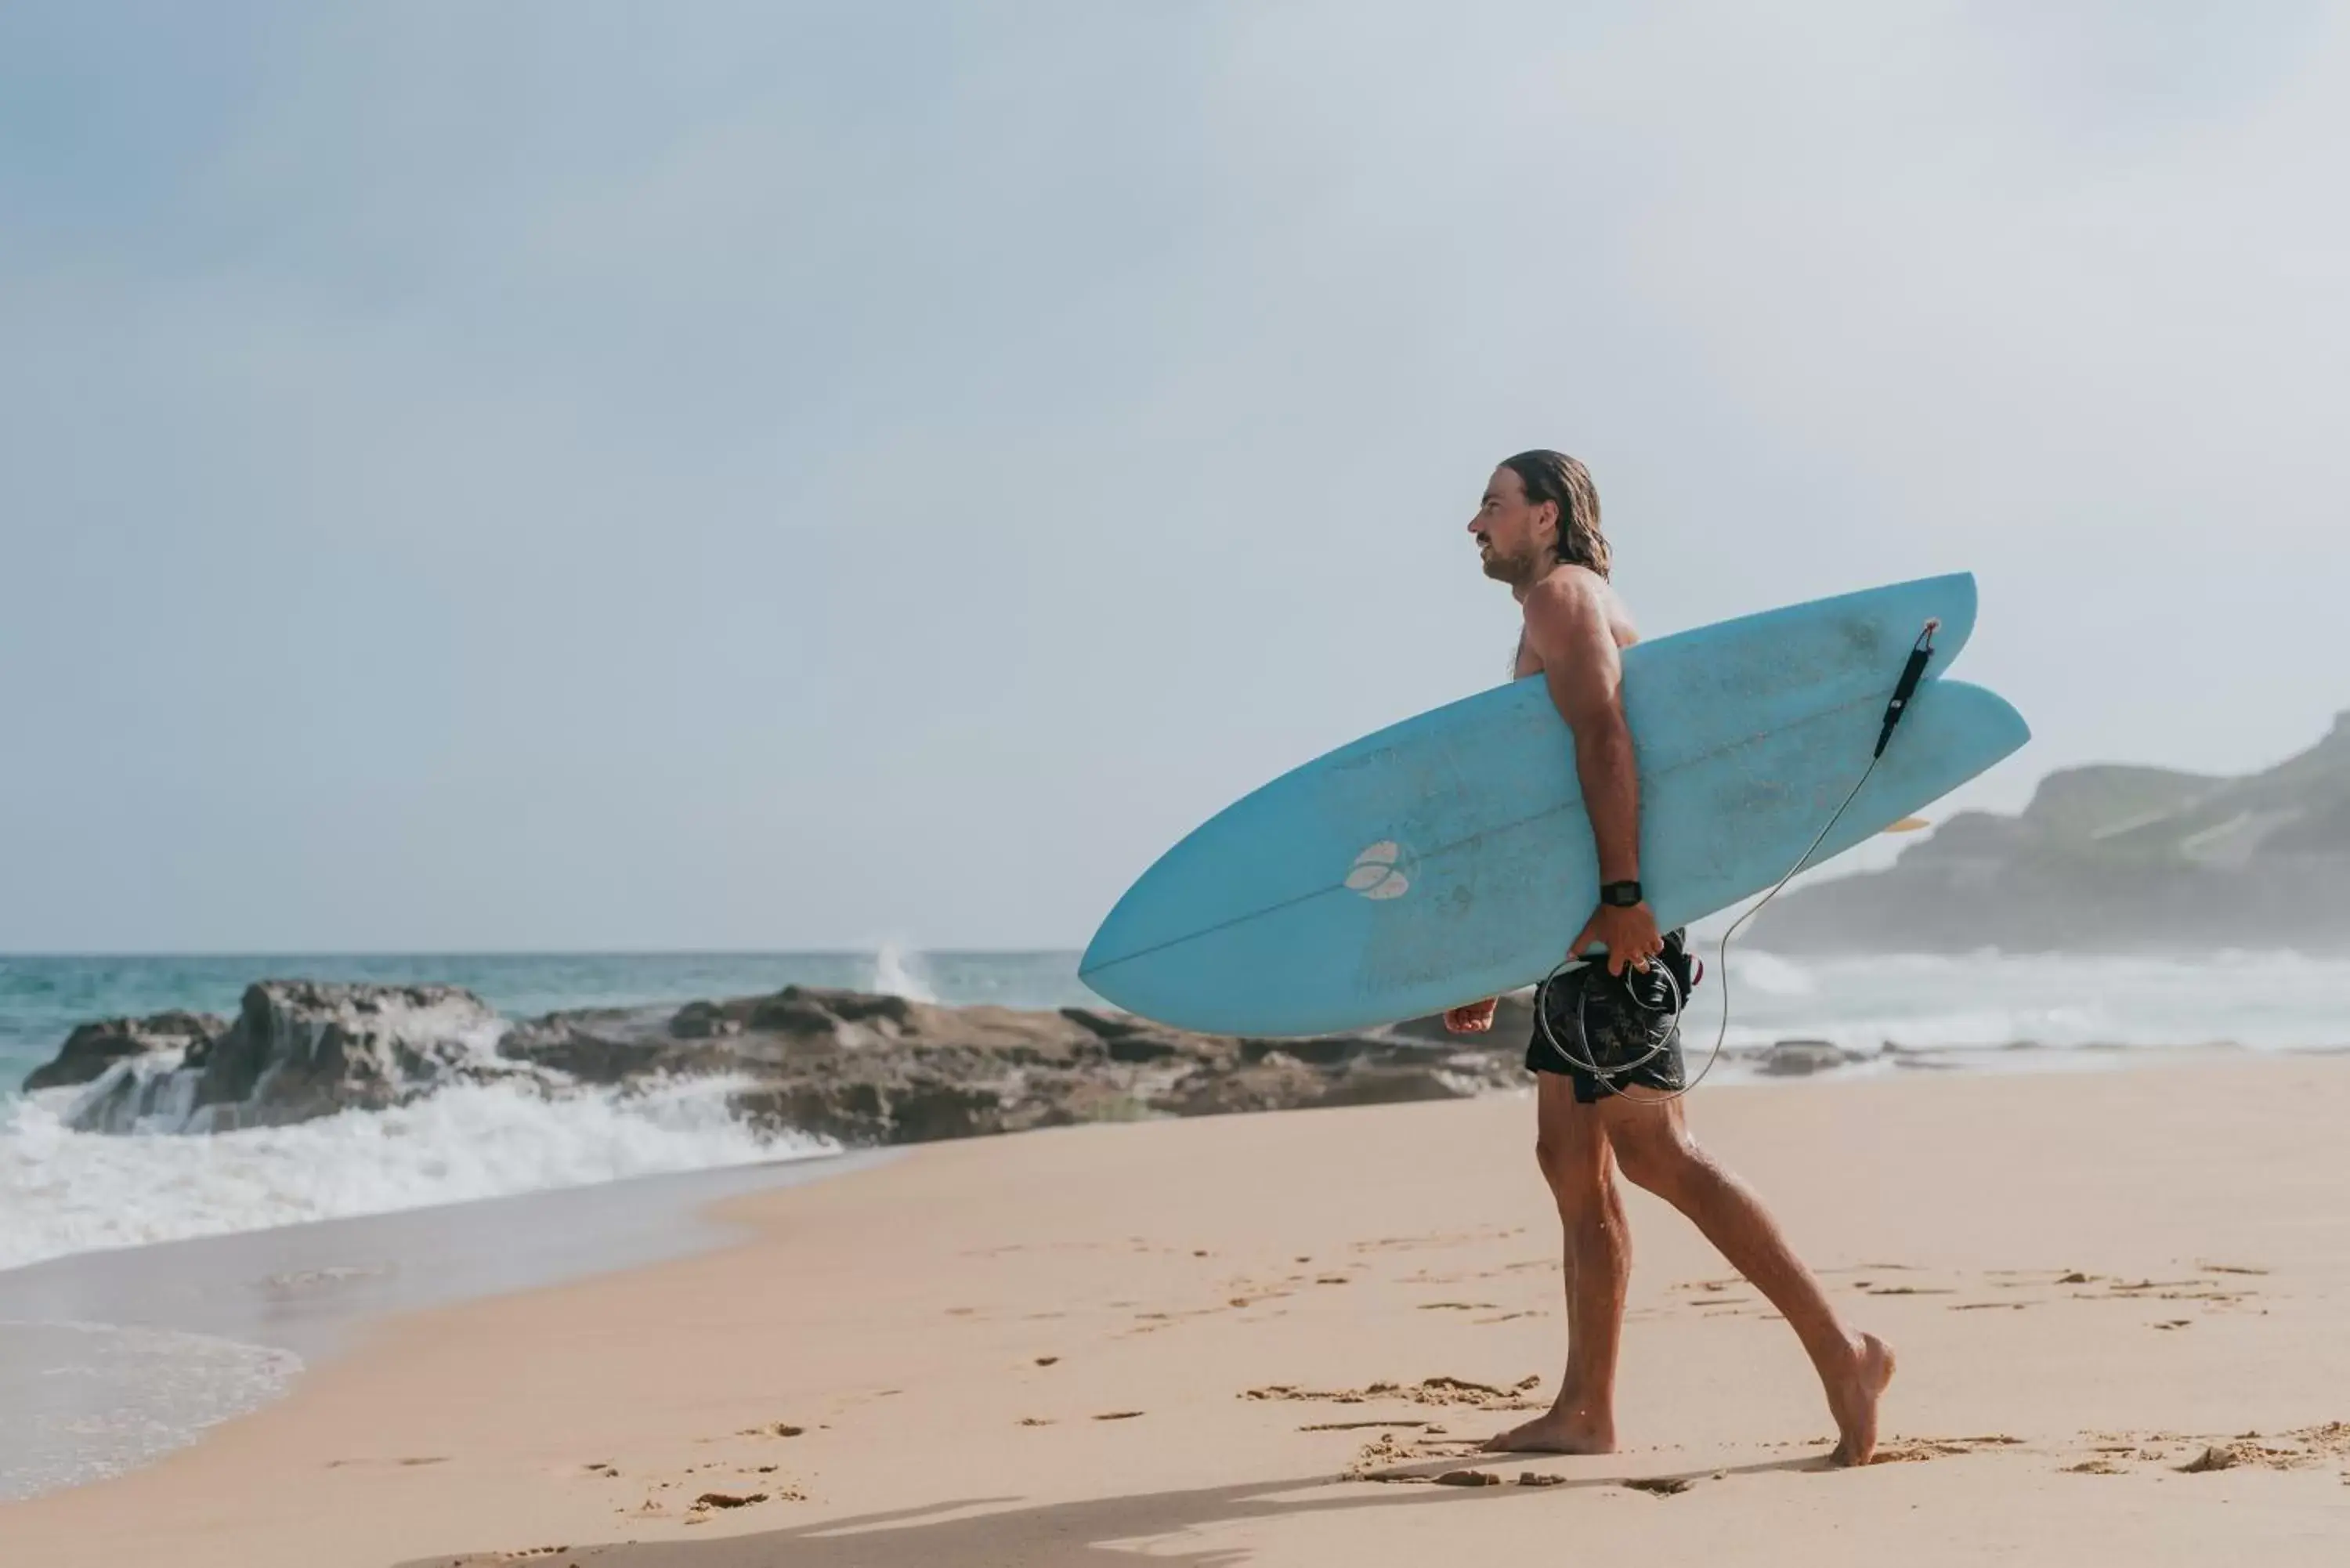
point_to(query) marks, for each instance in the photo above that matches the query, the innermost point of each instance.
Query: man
(1537, 529)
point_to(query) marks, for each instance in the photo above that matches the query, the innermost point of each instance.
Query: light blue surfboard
(1448, 858)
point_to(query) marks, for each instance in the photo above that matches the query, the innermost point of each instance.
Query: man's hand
(1630, 935)
(1475, 1018)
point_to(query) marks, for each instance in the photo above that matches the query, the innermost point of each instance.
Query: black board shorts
(1627, 1025)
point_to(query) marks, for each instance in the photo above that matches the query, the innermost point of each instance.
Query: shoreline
(1070, 1325)
(116, 1358)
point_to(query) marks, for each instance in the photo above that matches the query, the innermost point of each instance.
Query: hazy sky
(768, 476)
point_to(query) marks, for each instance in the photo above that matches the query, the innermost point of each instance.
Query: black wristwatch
(1620, 895)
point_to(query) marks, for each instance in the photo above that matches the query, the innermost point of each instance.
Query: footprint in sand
(1357, 1425)
(1427, 1391)
(2304, 1448)
(1914, 1450)
(1875, 1269)
(1660, 1486)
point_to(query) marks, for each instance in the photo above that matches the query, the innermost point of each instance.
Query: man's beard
(1513, 570)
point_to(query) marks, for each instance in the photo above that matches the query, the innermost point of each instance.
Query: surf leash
(1905, 691)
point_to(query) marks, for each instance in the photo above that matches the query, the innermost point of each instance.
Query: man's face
(1515, 540)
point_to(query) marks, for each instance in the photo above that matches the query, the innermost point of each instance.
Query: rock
(299, 1050)
(1273, 1081)
(1395, 1084)
(93, 1048)
(1127, 1039)
(790, 1014)
(1468, 1478)
(621, 1045)
(1801, 1058)
(701, 1019)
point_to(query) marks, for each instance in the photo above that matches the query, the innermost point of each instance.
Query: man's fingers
(1589, 933)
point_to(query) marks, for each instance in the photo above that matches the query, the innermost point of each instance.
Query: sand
(2118, 1299)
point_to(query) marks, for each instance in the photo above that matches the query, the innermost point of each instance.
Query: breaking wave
(63, 1191)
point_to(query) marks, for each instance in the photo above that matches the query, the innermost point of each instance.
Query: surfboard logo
(1379, 871)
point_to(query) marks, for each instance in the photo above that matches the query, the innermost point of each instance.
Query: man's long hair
(1554, 477)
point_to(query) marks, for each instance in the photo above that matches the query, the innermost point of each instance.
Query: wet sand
(111, 1359)
(2118, 1300)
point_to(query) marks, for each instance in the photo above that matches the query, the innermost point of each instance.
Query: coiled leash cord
(1921, 654)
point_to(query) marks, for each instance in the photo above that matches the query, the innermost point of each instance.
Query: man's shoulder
(1570, 589)
(1568, 601)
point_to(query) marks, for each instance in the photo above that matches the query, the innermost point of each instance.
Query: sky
(782, 476)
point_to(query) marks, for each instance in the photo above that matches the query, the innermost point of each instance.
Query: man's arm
(1568, 629)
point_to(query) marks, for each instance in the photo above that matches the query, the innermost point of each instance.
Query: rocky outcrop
(93, 1048)
(1802, 1058)
(298, 1049)
(2110, 859)
(860, 1068)
(868, 1069)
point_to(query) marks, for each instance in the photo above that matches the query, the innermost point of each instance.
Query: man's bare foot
(1853, 1397)
(1560, 1430)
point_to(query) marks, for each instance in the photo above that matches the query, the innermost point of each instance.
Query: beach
(2116, 1299)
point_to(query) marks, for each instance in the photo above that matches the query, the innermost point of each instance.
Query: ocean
(63, 1192)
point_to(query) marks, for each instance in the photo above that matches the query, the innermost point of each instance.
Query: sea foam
(63, 1191)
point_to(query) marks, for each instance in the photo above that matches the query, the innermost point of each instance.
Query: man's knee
(1575, 1169)
(1662, 1162)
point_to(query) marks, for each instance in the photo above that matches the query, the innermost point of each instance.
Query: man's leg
(1573, 1152)
(1652, 1144)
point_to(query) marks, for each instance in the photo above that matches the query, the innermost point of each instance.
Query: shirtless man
(1537, 530)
